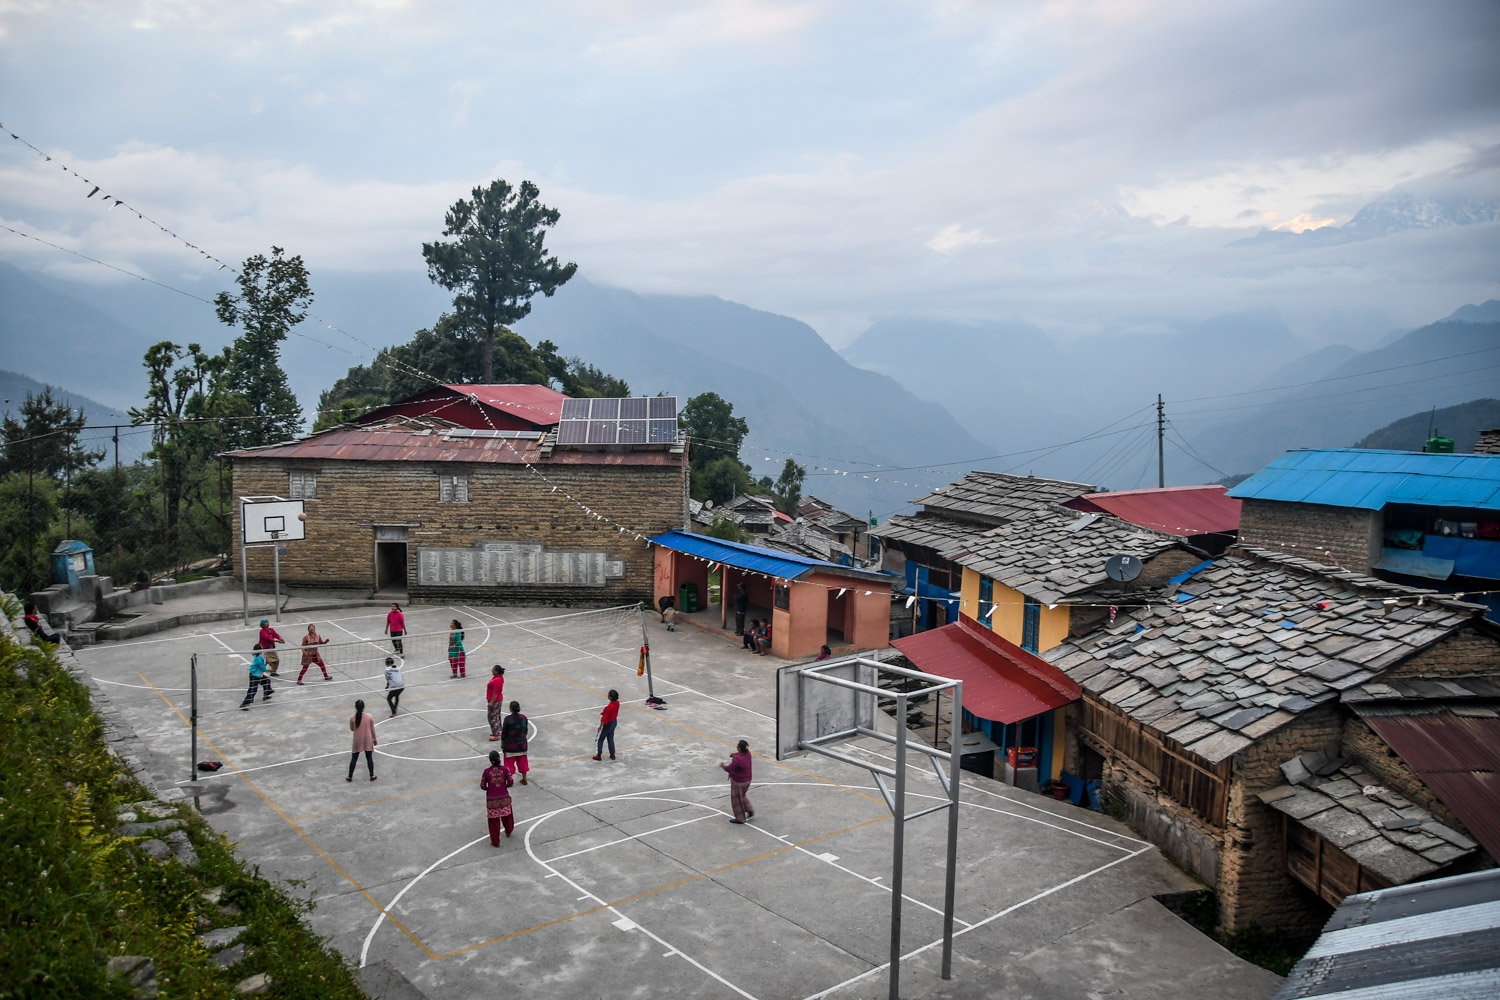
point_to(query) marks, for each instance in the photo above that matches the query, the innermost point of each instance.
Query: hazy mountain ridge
(1392, 213)
(14, 388)
(1461, 424)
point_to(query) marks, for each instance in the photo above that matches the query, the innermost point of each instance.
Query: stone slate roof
(829, 516)
(1464, 696)
(1245, 644)
(1386, 833)
(805, 540)
(930, 530)
(1055, 553)
(994, 497)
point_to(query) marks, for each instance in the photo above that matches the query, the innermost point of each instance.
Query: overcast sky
(1080, 165)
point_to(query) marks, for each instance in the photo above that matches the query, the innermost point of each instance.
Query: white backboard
(808, 708)
(271, 521)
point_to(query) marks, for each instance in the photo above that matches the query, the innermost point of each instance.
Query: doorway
(390, 559)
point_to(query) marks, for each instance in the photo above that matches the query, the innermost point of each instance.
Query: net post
(899, 847)
(651, 698)
(955, 761)
(193, 721)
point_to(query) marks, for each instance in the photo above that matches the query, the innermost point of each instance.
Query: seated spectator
(748, 641)
(824, 653)
(763, 638)
(34, 623)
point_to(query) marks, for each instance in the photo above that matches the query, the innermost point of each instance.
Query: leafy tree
(788, 488)
(720, 480)
(28, 512)
(45, 440)
(274, 296)
(724, 527)
(717, 473)
(497, 260)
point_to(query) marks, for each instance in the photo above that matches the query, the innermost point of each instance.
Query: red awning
(1002, 682)
(1176, 510)
(1458, 758)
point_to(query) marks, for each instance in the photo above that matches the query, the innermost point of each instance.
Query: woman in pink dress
(310, 655)
(496, 783)
(362, 725)
(395, 626)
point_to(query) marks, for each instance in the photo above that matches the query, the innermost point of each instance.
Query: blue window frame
(986, 599)
(1031, 626)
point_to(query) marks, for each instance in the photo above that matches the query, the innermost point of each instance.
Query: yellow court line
(300, 832)
(457, 784)
(669, 885)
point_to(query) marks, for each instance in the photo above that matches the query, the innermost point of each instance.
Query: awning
(1471, 556)
(1002, 682)
(759, 559)
(1455, 756)
(1410, 562)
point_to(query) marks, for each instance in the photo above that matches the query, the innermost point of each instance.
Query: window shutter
(460, 489)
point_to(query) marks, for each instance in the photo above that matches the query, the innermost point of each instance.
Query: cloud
(953, 238)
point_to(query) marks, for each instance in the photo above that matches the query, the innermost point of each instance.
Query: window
(303, 486)
(986, 599)
(782, 597)
(1031, 626)
(453, 489)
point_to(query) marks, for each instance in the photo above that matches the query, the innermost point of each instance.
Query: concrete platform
(624, 877)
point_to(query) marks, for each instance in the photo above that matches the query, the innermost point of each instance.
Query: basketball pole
(244, 573)
(276, 586)
(955, 763)
(193, 721)
(899, 847)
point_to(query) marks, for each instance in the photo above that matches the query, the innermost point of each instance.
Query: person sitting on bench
(34, 623)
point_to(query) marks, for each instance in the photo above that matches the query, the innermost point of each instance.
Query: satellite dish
(1123, 569)
(708, 505)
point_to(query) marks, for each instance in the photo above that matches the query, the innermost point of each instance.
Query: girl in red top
(494, 695)
(395, 626)
(607, 719)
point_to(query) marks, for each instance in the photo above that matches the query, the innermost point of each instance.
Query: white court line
(102, 646)
(634, 836)
(996, 916)
(1015, 802)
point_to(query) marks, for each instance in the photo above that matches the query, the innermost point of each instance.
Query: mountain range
(1395, 212)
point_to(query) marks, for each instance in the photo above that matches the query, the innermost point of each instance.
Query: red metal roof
(500, 407)
(1176, 510)
(1458, 758)
(1002, 681)
(402, 444)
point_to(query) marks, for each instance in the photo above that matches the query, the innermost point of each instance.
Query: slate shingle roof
(930, 530)
(994, 497)
(806, 540)
(1245, 644)
(1385, 832)
(1055, 553)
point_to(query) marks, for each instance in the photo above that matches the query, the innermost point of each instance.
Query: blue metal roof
(1370, 479)
(758, 559)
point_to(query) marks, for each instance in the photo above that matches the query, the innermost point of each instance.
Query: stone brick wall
(1162, 568)
(1254, 885)
(1466, 653)
(506, 504)
(1488, 443)
(1344, 536)
(1363, 746)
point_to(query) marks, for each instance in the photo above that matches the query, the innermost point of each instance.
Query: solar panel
(634, 420)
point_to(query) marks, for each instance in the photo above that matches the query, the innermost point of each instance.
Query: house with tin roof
(1219, 715)
(516, 407)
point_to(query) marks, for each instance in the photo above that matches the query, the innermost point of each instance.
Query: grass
(75, 893)
(1270, 950)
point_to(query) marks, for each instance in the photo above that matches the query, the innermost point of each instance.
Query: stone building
(1218, 716)
(422, 509)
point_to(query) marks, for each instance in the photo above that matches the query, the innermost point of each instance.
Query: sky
(1083, 166)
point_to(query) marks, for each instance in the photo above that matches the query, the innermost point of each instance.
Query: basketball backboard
(271, 519)
(811, 704)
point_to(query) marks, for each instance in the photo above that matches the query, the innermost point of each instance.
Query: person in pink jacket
(362, 725)
(739, 783)
(395, 626)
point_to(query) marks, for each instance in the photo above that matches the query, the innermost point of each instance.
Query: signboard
(498, 564)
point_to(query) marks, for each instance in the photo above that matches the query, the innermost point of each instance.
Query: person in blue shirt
(258, 677)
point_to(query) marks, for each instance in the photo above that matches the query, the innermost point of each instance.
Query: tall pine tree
(274, 296)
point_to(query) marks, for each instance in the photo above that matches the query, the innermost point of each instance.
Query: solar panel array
(637, 420)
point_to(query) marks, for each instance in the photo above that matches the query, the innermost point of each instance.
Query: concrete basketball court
(624, 877)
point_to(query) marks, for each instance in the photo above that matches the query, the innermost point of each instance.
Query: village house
(1410, 517)
(499, 407)
(420, 509)
(1206, 516)
(1242, 719)
(850, 532)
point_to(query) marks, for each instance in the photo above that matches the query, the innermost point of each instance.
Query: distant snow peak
(1304, 223)
(1392, 213)
(952, 238)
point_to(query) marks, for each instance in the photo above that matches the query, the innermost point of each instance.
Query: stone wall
(1254, 885)
(1363, 746)
(507, 504)
(1466, 653)
(1344, 536)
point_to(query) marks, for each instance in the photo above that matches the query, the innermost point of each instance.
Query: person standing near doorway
(741, 605)
(395, 627)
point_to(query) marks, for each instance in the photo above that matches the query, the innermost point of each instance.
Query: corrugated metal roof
(1458, 758)
(389, 443)
(1176, 510)
(538, 403)
(1431, 939)
(1002, 681)
(1370, 479)
(758, 559)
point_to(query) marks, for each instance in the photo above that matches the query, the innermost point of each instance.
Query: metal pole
(1161, 461)
(30, 514)
(244, 573)
(276, 586)
(193, 719)
(954, 769)
(116, 429)
(651, 698)
(898, 847)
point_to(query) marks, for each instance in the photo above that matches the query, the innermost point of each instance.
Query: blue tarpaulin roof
(1369, 479)
(1413, 563)
(759, 559)
(1471, 556)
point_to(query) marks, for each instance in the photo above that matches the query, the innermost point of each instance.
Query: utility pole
(116, 430)
(1161, 425)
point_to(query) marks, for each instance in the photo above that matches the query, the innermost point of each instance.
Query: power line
(1337, 378)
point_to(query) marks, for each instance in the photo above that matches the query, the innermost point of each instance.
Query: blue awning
(1471, 556)
(1410, 562)
(759, 559)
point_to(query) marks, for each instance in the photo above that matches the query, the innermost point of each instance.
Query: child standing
(513, 741)
(494, 701)
(394, 683)
(310, 655)
(259, 679)
(456, 649)
(395, 627)
(607, 720)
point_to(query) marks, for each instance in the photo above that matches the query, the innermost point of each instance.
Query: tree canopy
(273, 298)
(716, 433)
(496, 260)
(788, 488)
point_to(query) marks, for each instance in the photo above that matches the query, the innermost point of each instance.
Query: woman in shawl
(310, 655)
(456, 649)
(496, 783)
